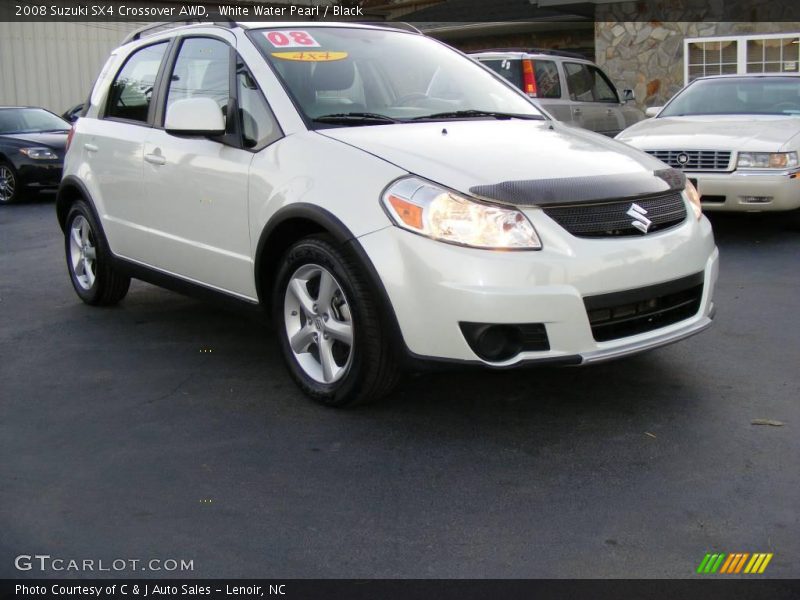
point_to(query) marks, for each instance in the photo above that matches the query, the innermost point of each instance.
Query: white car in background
(310, 169)
(736, 137)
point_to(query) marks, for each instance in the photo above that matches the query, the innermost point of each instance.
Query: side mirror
(628, 95)
(195, 116)
(652, 111)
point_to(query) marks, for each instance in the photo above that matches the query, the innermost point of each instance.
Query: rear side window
(132, 90)
(588, 84)
(548, 83)
(511, 69)
(201, 71)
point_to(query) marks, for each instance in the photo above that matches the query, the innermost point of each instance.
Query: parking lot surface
(168, 428)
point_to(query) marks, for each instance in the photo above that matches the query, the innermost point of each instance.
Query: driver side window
(201, 71)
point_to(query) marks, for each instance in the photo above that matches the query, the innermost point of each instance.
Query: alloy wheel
(319, 324)
(7, 184)
(83, 253)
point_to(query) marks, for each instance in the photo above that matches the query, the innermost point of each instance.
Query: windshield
(30, 120)
(377, 74)
(739, 96)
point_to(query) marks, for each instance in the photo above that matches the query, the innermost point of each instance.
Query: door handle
(155, 159)
(90, 148)
(576, 110)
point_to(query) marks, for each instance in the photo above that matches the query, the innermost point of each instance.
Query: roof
(746, 75)
(530, 52)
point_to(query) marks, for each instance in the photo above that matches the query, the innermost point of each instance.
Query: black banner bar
(451, 11)
(711, 588)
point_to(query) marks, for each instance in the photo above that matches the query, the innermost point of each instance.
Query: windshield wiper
(460, 114)
(355, 118)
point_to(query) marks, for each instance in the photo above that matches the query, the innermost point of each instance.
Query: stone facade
(647, 56)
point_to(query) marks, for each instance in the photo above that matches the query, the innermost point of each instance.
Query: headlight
(767, 160)
(694, 199)
(425, 208)
(39, 153)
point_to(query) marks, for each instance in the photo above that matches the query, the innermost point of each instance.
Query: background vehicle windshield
(30, 120)
(396, 74)
(740, 96)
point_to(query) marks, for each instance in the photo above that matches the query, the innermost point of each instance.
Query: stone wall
(647, 56)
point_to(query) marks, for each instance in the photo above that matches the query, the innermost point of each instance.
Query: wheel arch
(297, 221)
(70, 190)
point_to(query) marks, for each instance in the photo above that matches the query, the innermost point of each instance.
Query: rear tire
(331, 333)
(89, 260)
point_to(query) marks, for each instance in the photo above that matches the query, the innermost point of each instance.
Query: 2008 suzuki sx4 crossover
(383, 197)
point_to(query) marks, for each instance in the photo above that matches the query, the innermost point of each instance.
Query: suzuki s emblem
(640, 221)
(683, 158)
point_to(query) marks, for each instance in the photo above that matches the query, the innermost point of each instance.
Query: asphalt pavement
(167, 428)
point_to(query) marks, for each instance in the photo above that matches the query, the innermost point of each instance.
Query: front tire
(89, 260)
(330, 330)
(10, 189)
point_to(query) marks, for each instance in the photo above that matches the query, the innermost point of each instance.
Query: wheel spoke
(76, 237)
(301, 340)
(329, 367)
(84, 233)
(78, 265)
(298, 288)
(87, 267)
(91, 253)
(340, 330)
(327, 287)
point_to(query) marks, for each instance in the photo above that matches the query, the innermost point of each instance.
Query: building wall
(54, 64)
(647, 56)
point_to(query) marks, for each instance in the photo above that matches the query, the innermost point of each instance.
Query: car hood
(765, 133)
(478, 156)
(56, 141)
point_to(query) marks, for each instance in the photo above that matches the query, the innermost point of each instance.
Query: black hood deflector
(575, 190)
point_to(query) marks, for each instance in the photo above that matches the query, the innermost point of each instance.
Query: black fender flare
(322, 220)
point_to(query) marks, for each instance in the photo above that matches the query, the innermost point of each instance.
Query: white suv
(383, 197)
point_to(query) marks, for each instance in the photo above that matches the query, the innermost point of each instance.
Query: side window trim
(239, 125)
(154, 99)
(610, 85)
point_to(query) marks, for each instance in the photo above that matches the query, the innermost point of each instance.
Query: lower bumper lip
(663, 340)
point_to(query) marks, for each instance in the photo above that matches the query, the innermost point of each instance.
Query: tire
(89, 261)
(320, 300)
(10, 190)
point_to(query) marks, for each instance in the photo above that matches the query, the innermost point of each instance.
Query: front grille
(622, 314)
(610, 219)
(694, 160)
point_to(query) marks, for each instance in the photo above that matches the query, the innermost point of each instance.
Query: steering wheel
(407, 98)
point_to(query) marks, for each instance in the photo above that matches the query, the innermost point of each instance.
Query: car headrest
(333, 75)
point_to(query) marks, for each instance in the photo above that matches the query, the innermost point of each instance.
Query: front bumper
(40, 175)
(748, 191)
(433, 286)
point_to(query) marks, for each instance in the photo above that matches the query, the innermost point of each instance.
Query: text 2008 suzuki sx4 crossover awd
(384, 197)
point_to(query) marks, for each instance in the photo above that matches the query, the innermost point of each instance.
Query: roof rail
(399, 25)
(549, 51)
(177, 22)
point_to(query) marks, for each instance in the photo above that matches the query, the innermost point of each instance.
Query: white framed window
(765, 53)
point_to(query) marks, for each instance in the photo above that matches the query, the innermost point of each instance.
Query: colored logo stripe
(734, 563)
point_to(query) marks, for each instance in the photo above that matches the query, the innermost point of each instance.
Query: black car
(32, 147)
